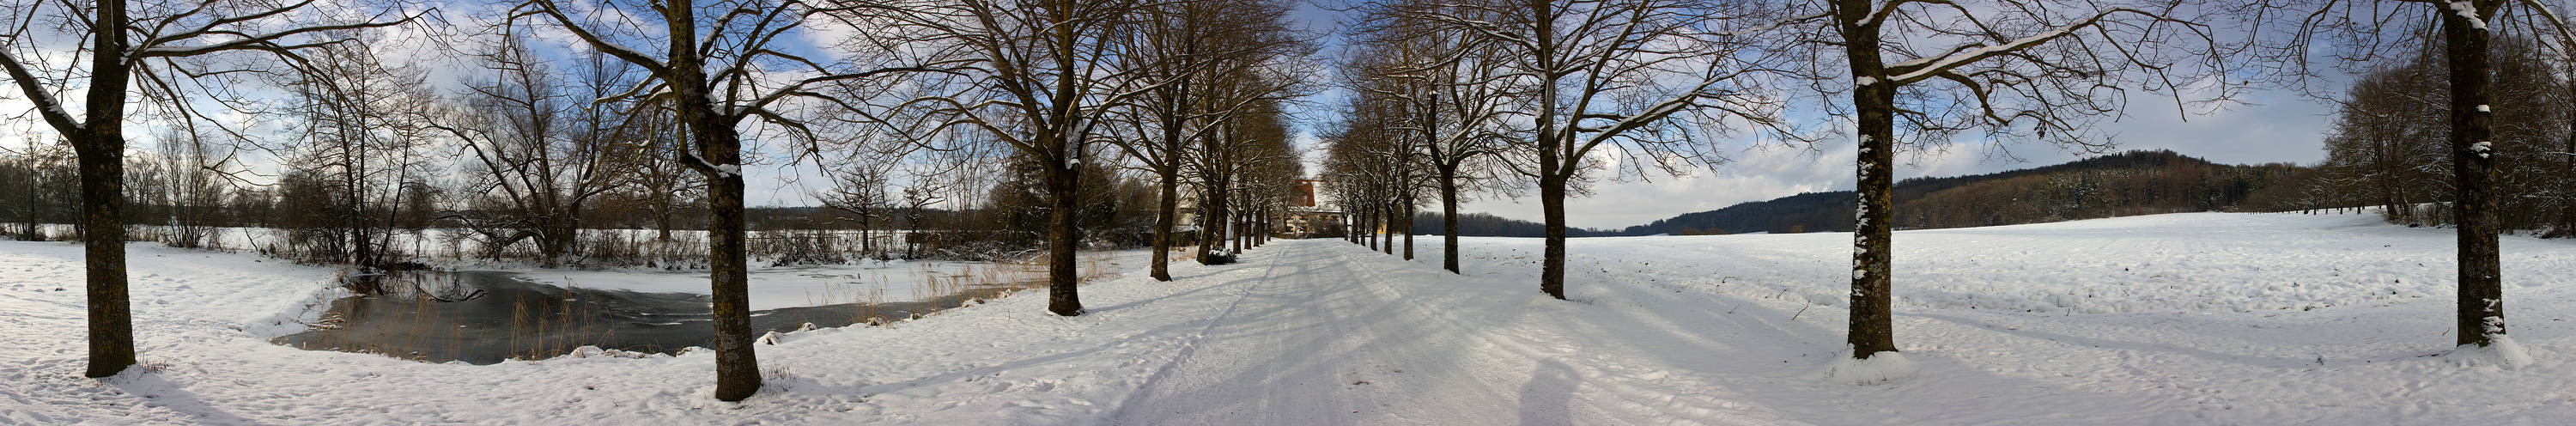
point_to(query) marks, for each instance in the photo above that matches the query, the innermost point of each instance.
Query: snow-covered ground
(863, 281)
(2170, 319)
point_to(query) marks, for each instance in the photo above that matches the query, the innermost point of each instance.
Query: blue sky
(2276, 127)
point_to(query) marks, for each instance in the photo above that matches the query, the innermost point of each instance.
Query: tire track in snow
(1315, 345)
(1579, 361)
(1190, 347)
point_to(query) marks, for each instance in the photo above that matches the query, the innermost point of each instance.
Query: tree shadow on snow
(156, 390)
(1545, 399)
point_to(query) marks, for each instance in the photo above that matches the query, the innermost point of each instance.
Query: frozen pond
(484, 317)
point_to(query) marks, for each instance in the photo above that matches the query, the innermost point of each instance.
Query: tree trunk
(1359, 228)
(1871, 328)
(355, 218)
(2567, 187)
(737, 364)
(1064, 183)
(102, 187)
(1213, 221)
(1164, 214)
(2567, 172)
(100, 150)
(1449, 219)
(662, 216)
(1551, 200)
(553, 239)
(1372, 227)
(718, 145)
(866, 224)
(34, 203)
(1408, 227)
(2481, 292)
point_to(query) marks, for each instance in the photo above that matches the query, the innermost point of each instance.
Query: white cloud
(2284, 129)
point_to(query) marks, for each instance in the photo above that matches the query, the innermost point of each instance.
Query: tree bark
(354, 219)
(1376, 227)
(2481, 291)
(2567, 187)
(1872, 327)
(1064, 184)
(737, 363)
(1212, 228)
(1408, 227)
(100, 149)
(35, 204)
(2567, 171)
(1449, 220)
(1551, 200)
(1386, 221)
(1164, 207)
(102, 187)
(718, 144)
(1368, 227)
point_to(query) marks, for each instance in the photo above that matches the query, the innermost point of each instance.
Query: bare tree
(1188, 46)
(1037, 77)
(1451, 101)
(1653, 82)
(932, 182)
(127, 41)
(196, 186)
(1236, 147)
(1367, 157)
(2017, 68)
(860, 190)
(352, 137)
(545, 149)
(35, 176)
(716, 73)
(2357, 31)
(1266, 168)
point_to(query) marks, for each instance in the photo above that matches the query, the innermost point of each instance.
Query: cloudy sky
(2278, 127)
(2275, 127)
(2283, 129)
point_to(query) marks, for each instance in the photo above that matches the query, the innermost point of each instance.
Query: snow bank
(2502, 353)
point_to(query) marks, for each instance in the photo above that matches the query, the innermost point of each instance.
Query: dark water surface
(483, 317)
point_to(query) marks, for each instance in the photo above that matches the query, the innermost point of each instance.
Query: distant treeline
(1486, 225)
(2125, 184)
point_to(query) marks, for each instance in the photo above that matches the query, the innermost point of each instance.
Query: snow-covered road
(1319, 341)
(2172, 319)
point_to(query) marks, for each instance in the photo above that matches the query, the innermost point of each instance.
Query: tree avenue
(1034, 130)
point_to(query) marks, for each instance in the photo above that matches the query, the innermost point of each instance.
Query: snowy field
(2170, 319)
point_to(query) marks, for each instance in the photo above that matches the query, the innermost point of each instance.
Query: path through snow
(2009, 325)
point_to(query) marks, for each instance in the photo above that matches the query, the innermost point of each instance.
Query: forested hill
(2126, 184)
(1486, 225)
